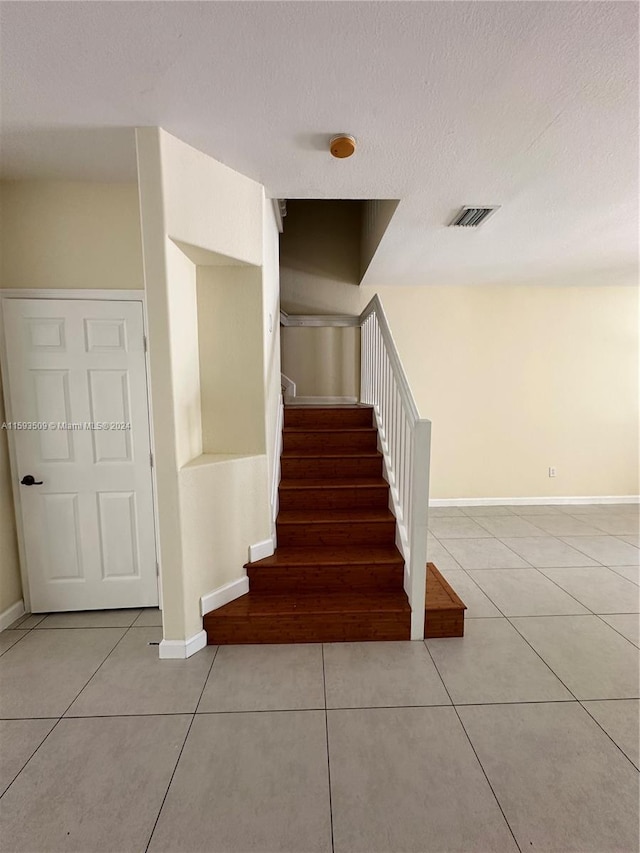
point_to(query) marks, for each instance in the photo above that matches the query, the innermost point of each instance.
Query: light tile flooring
(523, 735)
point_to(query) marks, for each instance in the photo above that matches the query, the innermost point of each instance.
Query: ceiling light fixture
(342, 146)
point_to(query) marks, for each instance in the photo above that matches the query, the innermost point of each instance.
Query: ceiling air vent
(472, 217)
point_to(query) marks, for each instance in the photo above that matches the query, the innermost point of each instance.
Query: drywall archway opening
(326, 247)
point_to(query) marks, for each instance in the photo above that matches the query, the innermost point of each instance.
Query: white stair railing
(406, 446)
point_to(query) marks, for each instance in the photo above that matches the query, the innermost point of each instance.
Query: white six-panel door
(77, 384)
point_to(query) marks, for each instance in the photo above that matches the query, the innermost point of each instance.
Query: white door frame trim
(7, 293)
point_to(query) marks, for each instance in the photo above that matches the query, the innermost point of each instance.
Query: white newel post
(418, 526)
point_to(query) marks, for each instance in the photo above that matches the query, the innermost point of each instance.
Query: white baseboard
(224, 594)
(182, 649)
(592, 499)
(9, 616)
(321, 401)
(260, 550)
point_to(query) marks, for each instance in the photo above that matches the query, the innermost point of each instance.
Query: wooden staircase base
(444, 610)
(337, 575)
(335, 617)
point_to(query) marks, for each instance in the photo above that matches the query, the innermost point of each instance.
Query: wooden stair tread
(332, 453)
(335, 483)
(329, 556)
(326, 516)
(310, 407)
(298, 430)
(269, 604)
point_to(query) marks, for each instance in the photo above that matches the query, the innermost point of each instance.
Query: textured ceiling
(530, 105)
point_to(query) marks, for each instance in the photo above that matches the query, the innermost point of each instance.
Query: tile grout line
(557, 539)
(84, 687)
(584, 553)
(184, 743)
(338, 708)
(508, 619)
(591, 612)
(540, 570)
(495, 796)
(622, 576)
(619, 748)
(557, 701)
(487, 538)
(535, 651)
(566, 592)
(326, 729)
(537, 527)
(61, 717)
(53, 727)
(604, 621)
(575, 698)
(8, 649)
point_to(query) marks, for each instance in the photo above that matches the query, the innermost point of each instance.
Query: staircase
(336, 574)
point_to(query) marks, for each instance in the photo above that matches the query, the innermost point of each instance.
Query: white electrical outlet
(552, 471)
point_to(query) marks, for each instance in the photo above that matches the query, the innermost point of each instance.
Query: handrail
(405, 439)
(375, 306)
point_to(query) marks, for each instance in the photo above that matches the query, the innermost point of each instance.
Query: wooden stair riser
(338, 467)
(321, 418)
(309, 628)
(444, 624)
(345, 497)
(327, 579)
(322, 441)
(317, 534)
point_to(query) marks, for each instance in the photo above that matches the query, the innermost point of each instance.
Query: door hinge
(157, 570)
(151, 459)
(144, 343)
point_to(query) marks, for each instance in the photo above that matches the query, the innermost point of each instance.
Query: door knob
(30, 480)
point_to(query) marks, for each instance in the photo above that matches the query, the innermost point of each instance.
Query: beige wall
(376, 216)
(517, 379)
(223, 510)
(194, 205)
(231, 352)
(320, 257)
(323, 362)
(183, 342)
(67, 234)
(60, 235)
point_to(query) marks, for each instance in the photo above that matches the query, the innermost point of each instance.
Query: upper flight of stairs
(336, 574)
